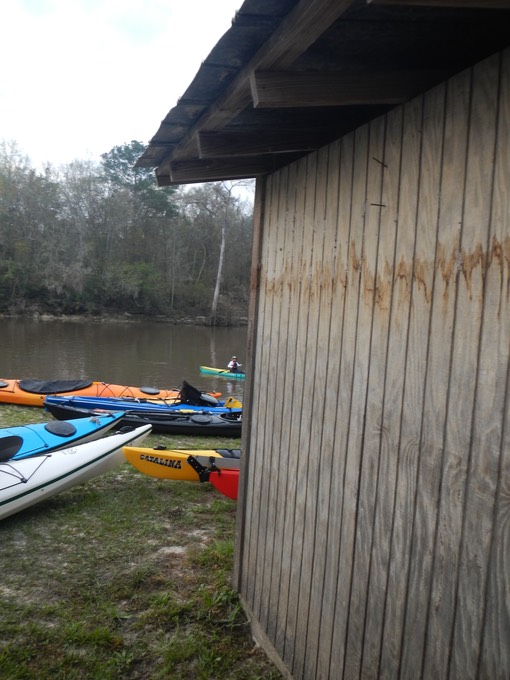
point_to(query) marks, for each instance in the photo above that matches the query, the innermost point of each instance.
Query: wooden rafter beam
(300, 28)
(456, 4)
(245, 143)
(292, 89)
(170, 146)
(211, 170)
(163, 176)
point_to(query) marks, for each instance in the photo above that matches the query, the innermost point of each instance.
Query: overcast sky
(79, 77)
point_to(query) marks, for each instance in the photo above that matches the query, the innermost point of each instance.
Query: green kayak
(222, 372)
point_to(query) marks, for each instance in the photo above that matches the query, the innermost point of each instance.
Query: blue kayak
(24, 441)
(140, 405)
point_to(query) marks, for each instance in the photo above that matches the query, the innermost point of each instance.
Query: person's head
(234, 358)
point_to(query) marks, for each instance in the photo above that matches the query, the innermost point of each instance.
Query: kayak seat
(3, 383)
(229, 453)
(61, 428)
(53, 386)
(208, 399)
(9, 446)
(201, 419)
(150, 390)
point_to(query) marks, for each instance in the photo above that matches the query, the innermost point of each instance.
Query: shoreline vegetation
(127, 317)
(104, 239)
(125, 576)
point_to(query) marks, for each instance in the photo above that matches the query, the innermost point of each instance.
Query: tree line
(102, 238)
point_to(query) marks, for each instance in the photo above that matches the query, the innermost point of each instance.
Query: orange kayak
(34, 392)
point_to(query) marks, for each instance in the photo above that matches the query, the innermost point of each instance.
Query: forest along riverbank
(181, 268)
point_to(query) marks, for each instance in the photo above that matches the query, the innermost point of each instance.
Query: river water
(130, 353)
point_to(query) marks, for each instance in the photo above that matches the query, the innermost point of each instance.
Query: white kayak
(30, 480)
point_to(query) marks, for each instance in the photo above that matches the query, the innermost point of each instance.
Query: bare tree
(215, 205)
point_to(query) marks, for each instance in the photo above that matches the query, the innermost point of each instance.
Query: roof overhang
(289, 76)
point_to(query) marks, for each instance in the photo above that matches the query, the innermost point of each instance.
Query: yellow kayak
(173, 463)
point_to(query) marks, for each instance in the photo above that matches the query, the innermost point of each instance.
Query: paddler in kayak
(233, 365)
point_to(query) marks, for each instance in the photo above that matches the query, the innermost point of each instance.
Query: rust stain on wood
(354, 258)
(404, 271)
(423, 277)
(322, 281)
(384, 287)
(447, 265)
(470, 262)
(499, 256)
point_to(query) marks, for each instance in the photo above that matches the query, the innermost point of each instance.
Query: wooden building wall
(374, 517)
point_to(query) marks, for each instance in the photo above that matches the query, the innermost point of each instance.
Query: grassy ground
(126, 576)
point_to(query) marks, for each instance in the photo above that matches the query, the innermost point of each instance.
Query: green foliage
(119, 168)
(103, 238)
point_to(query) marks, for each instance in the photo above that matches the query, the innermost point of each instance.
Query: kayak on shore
(34, 392)
(184, 421)
(31, 440)
(173, 463)
(26, 482)
(226, 481)
(190, 399)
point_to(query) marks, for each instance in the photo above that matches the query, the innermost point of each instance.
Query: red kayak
(226, 481)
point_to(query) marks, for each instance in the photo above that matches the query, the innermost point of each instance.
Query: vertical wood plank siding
(374, 516)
